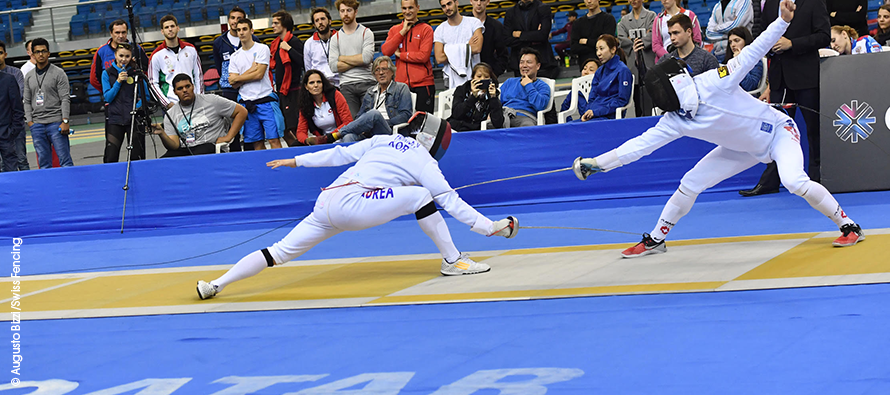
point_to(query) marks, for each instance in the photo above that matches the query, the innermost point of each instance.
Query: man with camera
(635, 36)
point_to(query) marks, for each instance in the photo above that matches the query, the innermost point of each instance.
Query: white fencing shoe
(463, 265)
(205, 290)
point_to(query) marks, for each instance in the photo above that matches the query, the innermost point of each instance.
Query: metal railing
(50, 8)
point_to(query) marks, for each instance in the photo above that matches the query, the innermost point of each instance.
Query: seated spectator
(118, 93)
(196, 123)
(589, 67)
(727, 15)
(323, 110)
(474, 103)
(661, 38)
(843, 40)
(612, 83)
(524, 96)
(882, 33)
(567, 29)
(738, 39)
(680, 29)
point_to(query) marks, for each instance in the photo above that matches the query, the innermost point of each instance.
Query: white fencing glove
(506, 227)
(584, 167)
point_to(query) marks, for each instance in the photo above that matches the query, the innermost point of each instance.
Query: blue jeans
(46, 136)
(369, 124)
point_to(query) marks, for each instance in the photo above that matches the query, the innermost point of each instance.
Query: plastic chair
(761, 87)
(541, 121)
(580, 87)
(446, 100)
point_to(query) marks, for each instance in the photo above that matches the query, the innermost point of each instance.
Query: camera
(483, 84)
(637, 33)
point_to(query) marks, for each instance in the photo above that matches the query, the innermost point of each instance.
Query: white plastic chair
(413, 101)
(761, 87)
(580, 86)
(446, 100)
(541, 121)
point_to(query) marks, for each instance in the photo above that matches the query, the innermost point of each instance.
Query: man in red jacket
(412, 43)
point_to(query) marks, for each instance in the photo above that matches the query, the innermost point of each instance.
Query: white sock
(819, 197)
(434, 226)
(248, 266)
(677, 206)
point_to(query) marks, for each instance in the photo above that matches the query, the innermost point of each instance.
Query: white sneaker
(463, 265)
(206, 290)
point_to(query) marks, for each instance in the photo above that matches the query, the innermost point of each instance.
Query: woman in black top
(477, 100)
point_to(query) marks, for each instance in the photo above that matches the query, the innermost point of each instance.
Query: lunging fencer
(395, 175)
(712, 107)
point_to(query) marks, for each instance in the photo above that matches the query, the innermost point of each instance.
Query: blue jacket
(610, 89)
(582, 105)
(119, 104)
(752, 80)
(399, 108)
(530, 98)
(104, 58)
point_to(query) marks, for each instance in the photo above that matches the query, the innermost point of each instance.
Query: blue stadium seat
(179, 13)
(195, 12)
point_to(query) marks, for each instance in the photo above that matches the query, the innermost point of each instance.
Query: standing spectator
(287, 66)
(699, 60)
(635, 35)
(494, 39)
(205, 125)
(529, 23)
(412, 43)
(853, 13)
(105, 55)
(323, 110)
(249, 73)
(524, 96)
(793, 75)
(882, 33)
(352, 50)
(661, 39)
(12, 120)
(476, 101)
(757, 7)
(31, 62)
(13, 71)
(457, 43)
(318, 47)
(727, 15)
(589, 67)
(612, 83)
(844, 41)
(567, 29)
(588, 28)
(223, 47)
(173, 57)
(47, 106)
(740, 38)
(118, 92)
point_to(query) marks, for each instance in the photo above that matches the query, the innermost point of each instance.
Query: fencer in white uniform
(395, 175)
(713, 107)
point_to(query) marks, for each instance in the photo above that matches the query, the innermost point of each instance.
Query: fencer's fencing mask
(430, 131)
(671, 87)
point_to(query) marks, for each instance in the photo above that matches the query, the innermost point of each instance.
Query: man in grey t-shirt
(199, 121)
(699, 60)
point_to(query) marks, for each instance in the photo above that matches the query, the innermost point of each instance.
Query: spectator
(47, 107)
(249, 73)
(199, 121)
(793, 75)
(635, 36)
(118, 93)
(352, 50)
(173, 57)
(105, 55)
(757, 7)
(452, 39)
(12, 120)
(882, 33)
(844, 41)
(661, 39)
(386, 104)
(624, 11)
(589, 67)
(476, 101)
(20, 148)
(699, 60)
(567, 29)
(317, 48)
(223, 48)
(588, 28)
(739, 38)
(411, 42)
(612, 83)
(31, 62)
(853, 13)
(524, 96)
(323, 110)
(287, 65)
(727, 15)
(529, 23)
(494, 39)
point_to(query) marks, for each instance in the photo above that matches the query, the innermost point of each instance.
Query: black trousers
(425, 96)
(807, 98)
(114, 139)
(8, 153)
(202, 149)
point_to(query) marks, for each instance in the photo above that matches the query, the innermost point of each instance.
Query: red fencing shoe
(646, 247)
(852, 235)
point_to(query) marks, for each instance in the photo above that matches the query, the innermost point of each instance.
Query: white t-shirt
(460, 34)
(324, 117)
(28, 66)
(242, 60)
(236, 42)
(380, 104)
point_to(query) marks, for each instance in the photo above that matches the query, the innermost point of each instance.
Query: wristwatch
(64, 121)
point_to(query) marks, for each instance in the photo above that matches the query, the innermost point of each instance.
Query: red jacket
(342, 116)
(413, 65)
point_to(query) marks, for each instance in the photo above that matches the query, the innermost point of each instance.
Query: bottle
(568, 59)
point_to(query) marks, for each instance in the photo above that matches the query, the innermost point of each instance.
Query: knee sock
(819, 197)
(248, 266)
(677, 206)
(434, 226)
